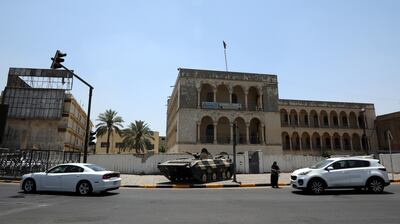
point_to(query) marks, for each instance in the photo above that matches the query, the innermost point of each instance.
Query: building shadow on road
(340, 192)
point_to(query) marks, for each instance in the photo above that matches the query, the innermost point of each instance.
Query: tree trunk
(108, 140)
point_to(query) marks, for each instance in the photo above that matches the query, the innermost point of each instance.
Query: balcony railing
(223, 106)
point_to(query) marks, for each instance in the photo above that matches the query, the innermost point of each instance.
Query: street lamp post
(234, 151)
(57, 64)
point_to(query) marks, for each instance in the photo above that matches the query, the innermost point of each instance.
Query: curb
(185, 186)
(10, 181)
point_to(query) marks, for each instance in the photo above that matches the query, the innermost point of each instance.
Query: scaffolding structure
(36, 93)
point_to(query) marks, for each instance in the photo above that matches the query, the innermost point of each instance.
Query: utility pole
(234, 151)
(58, 58)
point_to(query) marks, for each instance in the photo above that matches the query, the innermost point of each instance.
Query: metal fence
(18, 163)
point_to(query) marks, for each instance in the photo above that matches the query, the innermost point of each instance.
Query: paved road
(244, 205)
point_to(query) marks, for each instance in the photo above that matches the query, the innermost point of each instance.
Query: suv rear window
(95, 167)
(358, 163)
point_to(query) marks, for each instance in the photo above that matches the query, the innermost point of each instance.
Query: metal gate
(18, 163)
(254, 162)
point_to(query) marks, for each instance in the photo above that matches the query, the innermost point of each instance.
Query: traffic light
(58, 58)
(92, 137)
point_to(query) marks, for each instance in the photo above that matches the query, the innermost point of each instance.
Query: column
(198, 131)
(351, 143)
(361, 148)
(260, 106)
(298, 119)
(198, 98)
(311, 143)
(247, 133)
(246, 92)
(231, 125)
(215, 94)
(262, 134)
(290, 143)
(215, 132)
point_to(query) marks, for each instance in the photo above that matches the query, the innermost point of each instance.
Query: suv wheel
(375, 185)
(316, 187)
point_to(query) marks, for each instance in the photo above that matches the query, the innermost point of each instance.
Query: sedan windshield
(321, 164)
(95, 167)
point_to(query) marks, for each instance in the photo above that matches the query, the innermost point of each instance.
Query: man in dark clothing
(274, 175)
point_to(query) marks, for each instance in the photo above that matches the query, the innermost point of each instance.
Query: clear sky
(130, 50)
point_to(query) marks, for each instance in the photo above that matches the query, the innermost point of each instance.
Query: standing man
(275, 175)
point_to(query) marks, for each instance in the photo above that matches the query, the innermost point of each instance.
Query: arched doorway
(305, 141)
(207, 130)
(223, 94)
(206, 93)
(295, 141)
(255, 131)
(285, 141)
(223, 131)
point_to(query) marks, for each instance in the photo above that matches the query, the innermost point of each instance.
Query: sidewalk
(159, 181)
(245, 180)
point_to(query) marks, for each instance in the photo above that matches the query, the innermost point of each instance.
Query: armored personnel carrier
(198, 168)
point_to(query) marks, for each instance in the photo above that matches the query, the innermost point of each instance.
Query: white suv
(342, 172)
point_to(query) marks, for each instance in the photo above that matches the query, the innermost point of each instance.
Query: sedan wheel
(375, 185)
(317, 187)
(84, 188)
(29, 186)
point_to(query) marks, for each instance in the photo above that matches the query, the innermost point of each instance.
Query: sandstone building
(42, 114)
(116, 146)
(205, 105)
(388, 122)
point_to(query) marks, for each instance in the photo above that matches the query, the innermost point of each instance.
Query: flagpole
(226, 62)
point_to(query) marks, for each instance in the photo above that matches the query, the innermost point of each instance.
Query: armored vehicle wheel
(223, 175)
(204, 177)
(214, 176)
(228, 174)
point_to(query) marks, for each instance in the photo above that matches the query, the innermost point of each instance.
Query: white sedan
(81, 178)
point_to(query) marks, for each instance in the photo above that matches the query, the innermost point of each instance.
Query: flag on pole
(223, 42)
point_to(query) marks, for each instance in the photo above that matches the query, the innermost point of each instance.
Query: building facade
(42, 114)
(116, 146)
(208, 108)
(384, 123)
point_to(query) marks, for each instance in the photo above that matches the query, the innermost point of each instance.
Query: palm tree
(109, 123)
(137, 136)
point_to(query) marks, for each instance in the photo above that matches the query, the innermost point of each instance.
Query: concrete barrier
(385, 160)
(147, 164)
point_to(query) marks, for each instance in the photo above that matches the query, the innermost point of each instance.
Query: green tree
(137, 136)
(109, 123)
